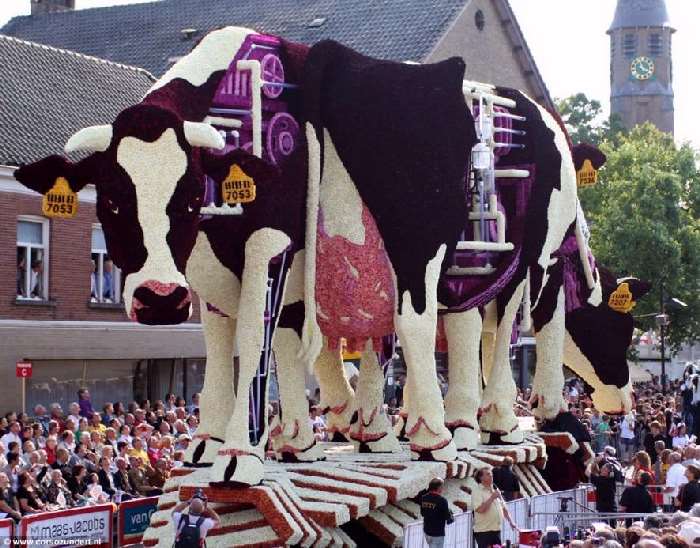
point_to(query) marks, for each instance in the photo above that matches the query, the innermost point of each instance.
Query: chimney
(51, 6)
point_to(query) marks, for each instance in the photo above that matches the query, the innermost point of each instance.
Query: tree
(583, 118)
(644, 216)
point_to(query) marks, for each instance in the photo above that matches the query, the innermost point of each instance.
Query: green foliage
(645, 221)
(584, 121)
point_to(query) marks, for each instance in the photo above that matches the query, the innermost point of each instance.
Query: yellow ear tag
(60, 201)
(237, 187)
(621, 299)
(587, 175)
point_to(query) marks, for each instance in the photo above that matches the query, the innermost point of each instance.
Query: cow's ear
(42, 174)
(218, 166)
(585, 151)
(638, 287)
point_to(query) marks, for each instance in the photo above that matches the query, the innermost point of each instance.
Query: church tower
(641, 67)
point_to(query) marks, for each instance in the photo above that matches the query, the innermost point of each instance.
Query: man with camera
(191, 528)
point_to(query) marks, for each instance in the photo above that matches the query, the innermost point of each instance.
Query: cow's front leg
(239, 461)
(371, 431)
(463, 332)
(293, 440)
(498, 418)
(549, 376)
(216, 402)
(337, 396)
(425, 427)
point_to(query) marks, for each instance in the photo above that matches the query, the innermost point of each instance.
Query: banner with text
(6, 529)
(134, 517)
(91, 524)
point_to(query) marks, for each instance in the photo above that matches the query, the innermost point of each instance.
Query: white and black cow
(393, 139)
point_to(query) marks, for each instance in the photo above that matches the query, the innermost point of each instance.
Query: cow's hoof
(312, 453)
(547, 408)
(237, 469)
(445, 451)
(466, 438)
(374, 435)
(202, 451)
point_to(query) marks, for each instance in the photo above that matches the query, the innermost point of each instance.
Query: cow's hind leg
(216, 402)
(498, 419)
(239, 461)
(463, 332)
(430, 438)
(371, 430)
(549, 375)
(293, 439)
(337, 396)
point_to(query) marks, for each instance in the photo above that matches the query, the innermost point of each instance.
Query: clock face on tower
(642, 68)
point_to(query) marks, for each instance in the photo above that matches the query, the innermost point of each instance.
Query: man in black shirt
(636, 499)
(604, 482)
(651, 438)
(436, 513)
(690, 492)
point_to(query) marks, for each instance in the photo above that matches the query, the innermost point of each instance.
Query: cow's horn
(199, 134)
(91, 139)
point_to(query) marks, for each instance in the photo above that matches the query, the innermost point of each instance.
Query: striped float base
(307, 503)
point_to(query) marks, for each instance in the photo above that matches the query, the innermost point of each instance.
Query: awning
(638, 373)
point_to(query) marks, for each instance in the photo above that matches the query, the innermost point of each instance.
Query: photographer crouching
(191, 528)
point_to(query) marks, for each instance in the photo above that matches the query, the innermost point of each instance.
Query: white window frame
(45, 233)
(99, 281)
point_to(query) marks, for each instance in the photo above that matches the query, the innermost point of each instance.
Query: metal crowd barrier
(537, 512)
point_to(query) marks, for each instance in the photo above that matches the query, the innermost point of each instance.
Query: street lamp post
(662, 322)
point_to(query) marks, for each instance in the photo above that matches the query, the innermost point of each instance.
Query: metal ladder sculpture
(482, 101)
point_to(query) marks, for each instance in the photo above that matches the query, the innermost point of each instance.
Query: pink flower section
(354, 287)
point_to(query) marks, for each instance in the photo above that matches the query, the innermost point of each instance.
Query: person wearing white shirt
(675, 477)
(627, 437)
(13, 435)
(681, 439)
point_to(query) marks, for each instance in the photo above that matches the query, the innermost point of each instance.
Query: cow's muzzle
(156, 303)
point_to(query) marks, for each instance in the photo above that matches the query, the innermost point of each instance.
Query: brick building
(69, 334)
(59, 303)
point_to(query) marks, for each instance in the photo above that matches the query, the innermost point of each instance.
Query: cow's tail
(582, 244)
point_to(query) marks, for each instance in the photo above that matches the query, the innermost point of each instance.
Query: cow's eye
(114, 208)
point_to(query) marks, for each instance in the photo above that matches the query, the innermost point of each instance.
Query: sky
(571, 49)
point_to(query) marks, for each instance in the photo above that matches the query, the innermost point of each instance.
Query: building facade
(641, 64)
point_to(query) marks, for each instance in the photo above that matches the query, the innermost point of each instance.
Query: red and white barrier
(93, 523)
(7, 529)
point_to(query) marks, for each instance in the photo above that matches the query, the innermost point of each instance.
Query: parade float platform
(336, 502)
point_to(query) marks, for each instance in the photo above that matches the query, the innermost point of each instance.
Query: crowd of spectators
(55, 459)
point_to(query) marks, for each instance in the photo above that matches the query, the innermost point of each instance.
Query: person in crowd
(159, 474)
(681, 438)
(56, 412)
(138, 474)
(12, 435)
(194, 405)
(636, 499)
(489, 510)
(76, 482)
(85, 404)
(641, 464)
(96, 424)
(506, 481)
(29, 500)
(74, 410)
(651, 438)
(137, 450)
(628, 437)
(122, 481)
(62, 463)
(689, 493)
(38, 435)
(106, 478)
(50, 448)
(13, 469)
(41, 417)
(58, 496)
(603, 479)
(675, 478)
(436, 513)
(602, 433)
(8, 501)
